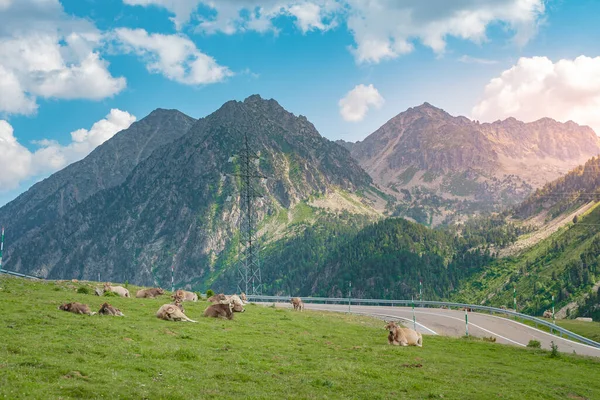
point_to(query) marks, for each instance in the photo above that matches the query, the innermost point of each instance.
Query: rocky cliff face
(438, 164)
(172, 208)
(106, 167)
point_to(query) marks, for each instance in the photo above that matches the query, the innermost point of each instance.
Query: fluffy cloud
(386, 28)
(537, 87)
(45, 53)
(356, 104)
(174, 56)
(231, 16)
(16, 160)
(382, 29)
(18, 163)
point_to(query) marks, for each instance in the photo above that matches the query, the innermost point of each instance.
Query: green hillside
(565, 265)
(263, 353)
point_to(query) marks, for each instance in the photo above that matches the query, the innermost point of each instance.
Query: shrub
(554, 353)
(83, 290)
(534, 344)
(490, 339)
(209, 293)
(126, 284)
(110, 294)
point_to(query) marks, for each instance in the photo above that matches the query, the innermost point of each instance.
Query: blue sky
(74, 72)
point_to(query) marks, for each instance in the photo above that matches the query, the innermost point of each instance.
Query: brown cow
(399, 336)
(220, 310)
(149, 293)
(170, 312)
(185, 295)
(297, 303)
(120, 290)
(76, 308)
(468, 309)
(217, 298)
(107, 309)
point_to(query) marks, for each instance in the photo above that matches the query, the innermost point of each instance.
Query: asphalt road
(436, 321)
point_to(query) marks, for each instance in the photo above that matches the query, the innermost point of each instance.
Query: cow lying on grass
(149, 293)
(170, 312)
(76, 308)
(403, 336)
(547, 314)
(184, 295)
(297, 303)
(234, 299)
(217, 298)
(120, 290)
(107, 309)
(220, 310)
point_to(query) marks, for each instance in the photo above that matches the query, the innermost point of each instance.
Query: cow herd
(223, 306)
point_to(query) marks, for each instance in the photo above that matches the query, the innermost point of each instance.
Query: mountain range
(163, 194)
(438, 165)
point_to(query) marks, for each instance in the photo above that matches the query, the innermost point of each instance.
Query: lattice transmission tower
(249, 279)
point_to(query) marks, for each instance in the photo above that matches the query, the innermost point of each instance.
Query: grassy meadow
(264, 353)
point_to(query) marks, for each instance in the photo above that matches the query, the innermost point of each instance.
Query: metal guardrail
(380, 302)
(19, 275)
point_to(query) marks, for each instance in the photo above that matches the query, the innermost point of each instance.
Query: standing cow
(297, 303)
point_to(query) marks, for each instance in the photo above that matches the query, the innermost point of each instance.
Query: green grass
(590, 330)
(264, 353)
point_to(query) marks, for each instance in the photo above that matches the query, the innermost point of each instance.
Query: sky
(73, 73)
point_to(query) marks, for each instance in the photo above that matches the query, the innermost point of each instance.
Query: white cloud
(18, 163)
(15, 162)
(231, 16)
(536, 88)
(174, 56)
(474, 60)
(356, 104)
(46, 53)
(387, 28)
(382, 29)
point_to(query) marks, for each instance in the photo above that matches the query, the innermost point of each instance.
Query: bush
(209, 293)
(490, 339)
(534, 344)
(126, 284)
(110, 294)
(554, 353)
(83, 290)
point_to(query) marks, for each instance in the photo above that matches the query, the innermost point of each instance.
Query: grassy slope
(538, 265)
(263, 353)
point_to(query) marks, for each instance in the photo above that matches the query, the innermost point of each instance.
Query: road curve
(436, 321)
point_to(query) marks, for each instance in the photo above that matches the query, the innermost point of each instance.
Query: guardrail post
(414, 318)
(467, 322)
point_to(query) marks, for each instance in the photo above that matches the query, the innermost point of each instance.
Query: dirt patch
(412, 365)
(75, 374)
